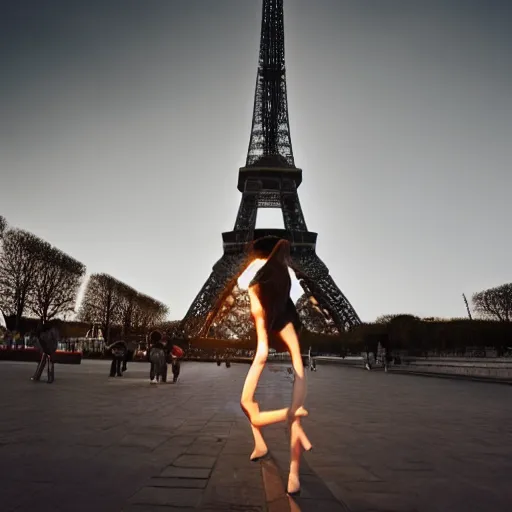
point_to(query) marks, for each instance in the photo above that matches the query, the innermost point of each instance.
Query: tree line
(495, 303)
(108, 302)
(421, 336)
(40, 281)
(490, 304)
(36, 278)
(426, 337)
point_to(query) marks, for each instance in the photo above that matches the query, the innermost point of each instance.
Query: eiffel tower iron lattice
(268, 180)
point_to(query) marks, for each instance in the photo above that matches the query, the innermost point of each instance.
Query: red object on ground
(177, 351)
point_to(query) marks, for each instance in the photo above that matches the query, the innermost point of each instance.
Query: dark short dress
(273, 291)
(48, 341)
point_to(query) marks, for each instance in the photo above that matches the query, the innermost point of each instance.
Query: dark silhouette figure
(118, 351)
(46, 339)
(176, 366)
(157, 358)
(131, 346)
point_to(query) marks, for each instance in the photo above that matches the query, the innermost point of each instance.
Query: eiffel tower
(269, 180)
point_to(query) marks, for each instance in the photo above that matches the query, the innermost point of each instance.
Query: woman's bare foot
(263, 418)
(258, 454)
(301, 412)
(260, 447)
(303, 438)
(304, 441)
(293, 487)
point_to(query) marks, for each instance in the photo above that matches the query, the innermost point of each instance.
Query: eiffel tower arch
(269, 179)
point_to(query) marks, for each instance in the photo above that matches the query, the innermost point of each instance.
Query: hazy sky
(123, 124)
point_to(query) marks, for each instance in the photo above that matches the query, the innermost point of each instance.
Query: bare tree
(102, 303)
(171, 327)
(109, 302)
(3, 225)
(159, 312)
(18, 264)
(127, 303)
(148, 312)
(495, 303)
(56, 283)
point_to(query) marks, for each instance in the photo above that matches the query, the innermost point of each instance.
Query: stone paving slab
(314, 493)
(163, 496)
(185, 473)
(382, 442)
(179, 483)
(195, 461)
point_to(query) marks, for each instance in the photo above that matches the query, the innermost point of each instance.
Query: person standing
(176, 353)
(46, 339)
(16, 339)
(131, 346)
(158, 369)
(311, 361)
(175, 365)
(157, 358)
(117, 350)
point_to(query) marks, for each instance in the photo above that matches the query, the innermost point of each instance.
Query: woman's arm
(299, 273)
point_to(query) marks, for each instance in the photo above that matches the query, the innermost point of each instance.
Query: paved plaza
(382, 442)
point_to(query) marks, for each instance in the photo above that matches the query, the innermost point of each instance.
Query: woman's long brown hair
(280, 254)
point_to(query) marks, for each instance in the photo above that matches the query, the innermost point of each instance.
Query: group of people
(10, 339)
(46, 339)
(159, 353)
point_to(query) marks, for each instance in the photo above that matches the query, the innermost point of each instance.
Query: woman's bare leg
(298, 438)
(293, 484)
(289, 337)
(253, 375)
(264, 418)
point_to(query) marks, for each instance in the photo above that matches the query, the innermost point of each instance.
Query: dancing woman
(274, 311)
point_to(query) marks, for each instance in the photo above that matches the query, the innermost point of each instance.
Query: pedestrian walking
(131, 347)
(157, 358)
(46, 339)
(118, 351)
(176, 353)
(175, 366)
